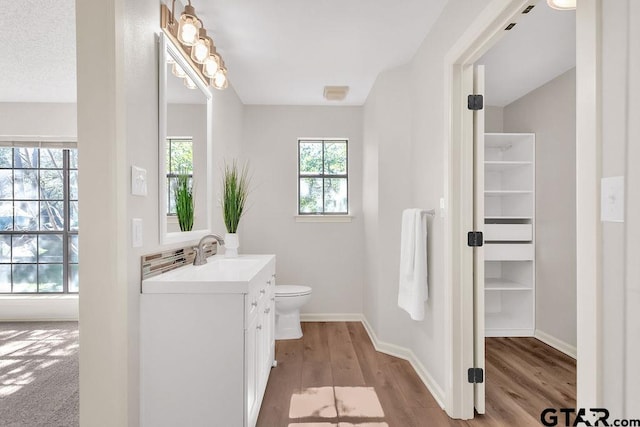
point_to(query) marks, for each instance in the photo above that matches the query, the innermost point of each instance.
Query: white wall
(417, 160)
(493, 119)
(118, 128)
(620, 294)
(632, 232)
(550, 113)
(326, 256)
(41, 119)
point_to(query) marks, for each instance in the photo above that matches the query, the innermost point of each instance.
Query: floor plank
(523, 376)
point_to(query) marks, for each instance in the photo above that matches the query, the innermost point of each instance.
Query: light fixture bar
(171, 27)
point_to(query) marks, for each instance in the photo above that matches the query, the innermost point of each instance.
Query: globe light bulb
(188, 26)
(201, 48)
(219, 80)
(177, 71)
(211, 66)
(189, 83)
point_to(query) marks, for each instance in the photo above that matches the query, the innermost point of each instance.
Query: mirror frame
(166, 48)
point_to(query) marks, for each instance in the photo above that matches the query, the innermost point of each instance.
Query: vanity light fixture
(190, 37)
(212, 64)
(219, 80)
(562, 4)
(189, 83)
(189, 25)
(202, 47)
(177, 71)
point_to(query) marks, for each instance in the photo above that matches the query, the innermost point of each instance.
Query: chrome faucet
(200, 258)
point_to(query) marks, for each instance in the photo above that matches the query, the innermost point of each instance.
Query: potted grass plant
(184, 201)
(235, 189)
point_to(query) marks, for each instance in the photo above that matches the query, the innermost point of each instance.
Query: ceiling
(283, 52)
(538, 49)
(38, 51)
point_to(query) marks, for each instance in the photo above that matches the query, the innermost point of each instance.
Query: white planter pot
(231, 245)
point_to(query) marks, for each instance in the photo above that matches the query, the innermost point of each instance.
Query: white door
(478, 252)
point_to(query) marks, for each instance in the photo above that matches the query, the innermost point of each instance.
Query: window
(38, 220)
(179, 161)
(322, 177)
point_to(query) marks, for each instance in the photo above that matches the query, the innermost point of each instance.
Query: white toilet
(289, 299)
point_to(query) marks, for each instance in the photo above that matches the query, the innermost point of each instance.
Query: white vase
(231, 245)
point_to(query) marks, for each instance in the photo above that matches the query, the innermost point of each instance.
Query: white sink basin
(218, 275)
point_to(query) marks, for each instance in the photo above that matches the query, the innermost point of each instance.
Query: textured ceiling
(286, 51)
(538, 49)
(38, 51)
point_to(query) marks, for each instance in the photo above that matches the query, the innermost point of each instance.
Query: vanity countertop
(220, 275)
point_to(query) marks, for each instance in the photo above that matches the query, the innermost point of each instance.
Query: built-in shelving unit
(509, 236)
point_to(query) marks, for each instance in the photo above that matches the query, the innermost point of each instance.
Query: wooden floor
(334, 377)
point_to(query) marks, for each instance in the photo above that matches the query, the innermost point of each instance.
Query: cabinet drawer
(508, 252)
(508, 232)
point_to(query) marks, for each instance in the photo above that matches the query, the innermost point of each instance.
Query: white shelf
(507, 217)
(502, 165)
(493, 284)
(509, 190)
(498, 193)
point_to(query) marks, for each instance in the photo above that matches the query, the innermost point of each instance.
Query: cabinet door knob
(262, 291)
(268, 282)
(267, 310)
(254, 304)
(259, 327)
(273, 298)
(273, 275)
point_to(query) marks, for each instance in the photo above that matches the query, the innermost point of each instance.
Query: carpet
(39, 374)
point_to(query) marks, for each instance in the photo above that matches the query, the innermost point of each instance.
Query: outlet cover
(612, 199)
(138, 181)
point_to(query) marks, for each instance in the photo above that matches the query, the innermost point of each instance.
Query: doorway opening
(515, 216)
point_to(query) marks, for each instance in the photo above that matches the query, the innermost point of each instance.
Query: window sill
(36, 296)
(323, 218)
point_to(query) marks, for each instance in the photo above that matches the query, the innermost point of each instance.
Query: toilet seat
(292, 290)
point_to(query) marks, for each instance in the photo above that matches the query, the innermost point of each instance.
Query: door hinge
(475, 238)
(475, 102)
(476, 375)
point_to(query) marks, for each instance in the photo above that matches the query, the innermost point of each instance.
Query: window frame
(66, 232)
(170, 175)
(324, 176)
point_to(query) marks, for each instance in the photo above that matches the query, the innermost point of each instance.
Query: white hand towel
(413, 292)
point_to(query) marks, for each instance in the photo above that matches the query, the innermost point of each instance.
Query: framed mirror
(185, 133)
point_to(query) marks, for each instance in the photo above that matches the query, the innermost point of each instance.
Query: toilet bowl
(289, 299)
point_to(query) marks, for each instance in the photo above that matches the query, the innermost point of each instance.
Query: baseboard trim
(408, 355)
(330, 317)
(554, 342)
(490, 333)
(38, 308)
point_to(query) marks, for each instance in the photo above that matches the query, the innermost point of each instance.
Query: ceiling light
(562, 4)
(188, 26)
(335, 93)
(189, 36)
(202, 47)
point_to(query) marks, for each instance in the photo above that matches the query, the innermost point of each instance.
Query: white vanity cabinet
(207, 343)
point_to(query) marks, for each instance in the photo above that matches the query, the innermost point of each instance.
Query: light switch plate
(136, 232)
(612, 199)
(138, 181)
